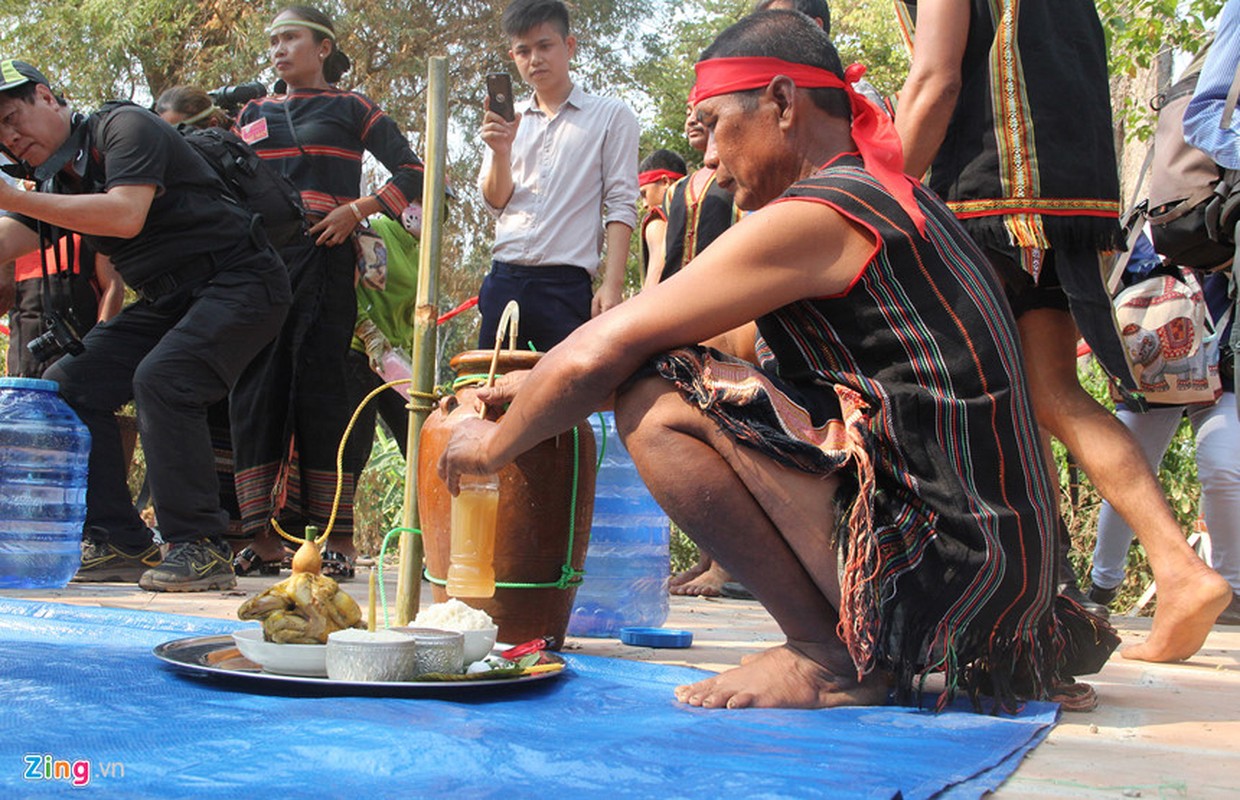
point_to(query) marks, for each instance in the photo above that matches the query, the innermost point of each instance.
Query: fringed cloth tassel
(860, 617)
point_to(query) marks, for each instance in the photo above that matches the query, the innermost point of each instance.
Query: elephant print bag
(1170, 338)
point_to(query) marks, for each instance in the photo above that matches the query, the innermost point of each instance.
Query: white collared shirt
(572, 174)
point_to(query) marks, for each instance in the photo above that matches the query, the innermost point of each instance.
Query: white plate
(303, 660)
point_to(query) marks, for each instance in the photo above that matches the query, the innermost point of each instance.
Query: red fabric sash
(872, 130)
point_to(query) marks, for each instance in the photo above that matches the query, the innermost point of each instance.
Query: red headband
(652, 175)
(872, 130)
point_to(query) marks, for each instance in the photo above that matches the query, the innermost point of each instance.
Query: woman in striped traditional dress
(289, 416)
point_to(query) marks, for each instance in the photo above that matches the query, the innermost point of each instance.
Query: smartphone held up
(499, 95)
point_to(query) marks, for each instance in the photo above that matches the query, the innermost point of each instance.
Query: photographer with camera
(212, 292)
(189, 105)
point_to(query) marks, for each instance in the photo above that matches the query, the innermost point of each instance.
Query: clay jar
(535, 491)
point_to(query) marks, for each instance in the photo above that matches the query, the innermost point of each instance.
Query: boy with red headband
(882, 490)
(657, 172)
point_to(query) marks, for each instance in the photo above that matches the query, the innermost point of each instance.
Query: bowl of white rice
(476, 625)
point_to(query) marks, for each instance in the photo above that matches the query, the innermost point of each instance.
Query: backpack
(252, 183)
(1170, 338)
(1194, 203)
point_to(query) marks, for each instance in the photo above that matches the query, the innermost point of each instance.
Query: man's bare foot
(689, 574)
(707, 584)
(1188, 604)
(786, 677)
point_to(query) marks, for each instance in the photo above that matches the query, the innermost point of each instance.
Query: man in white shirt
(567, 161)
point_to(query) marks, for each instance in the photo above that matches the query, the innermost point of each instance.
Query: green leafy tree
(1139, 32)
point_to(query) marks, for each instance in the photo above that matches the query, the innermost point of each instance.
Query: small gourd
(308, 558)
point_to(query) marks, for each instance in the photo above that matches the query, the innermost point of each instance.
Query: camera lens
(44, 347)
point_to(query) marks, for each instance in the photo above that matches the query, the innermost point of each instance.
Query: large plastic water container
(44, 449)
(627, 565)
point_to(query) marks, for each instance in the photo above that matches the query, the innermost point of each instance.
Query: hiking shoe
(103, 561)
(192, 567)
(1102, 596)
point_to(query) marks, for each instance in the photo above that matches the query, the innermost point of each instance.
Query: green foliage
(867, 32)
(684, 553)
(1138, 31)
(864, 31)
(378, 504)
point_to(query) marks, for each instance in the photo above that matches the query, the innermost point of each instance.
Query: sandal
(248, 562)
(337, 565)
(1073, 695)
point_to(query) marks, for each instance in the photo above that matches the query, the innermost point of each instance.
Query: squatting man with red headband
(882, 490)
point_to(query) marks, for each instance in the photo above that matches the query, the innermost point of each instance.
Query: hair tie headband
(301, 23)
(201, 115)
(872, 130)
(652, 175)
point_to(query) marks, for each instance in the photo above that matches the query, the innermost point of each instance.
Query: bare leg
(771, 526)
(1190, 594)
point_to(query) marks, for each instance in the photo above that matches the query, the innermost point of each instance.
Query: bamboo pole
(409, 577)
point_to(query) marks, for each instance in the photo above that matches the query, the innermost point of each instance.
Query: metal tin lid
(656, 637)
(29, 383)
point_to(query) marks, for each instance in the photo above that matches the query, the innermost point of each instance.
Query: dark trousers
(175, 356)
(389, 405)
(554, 300)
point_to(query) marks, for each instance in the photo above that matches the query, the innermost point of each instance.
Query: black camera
(231, 98)
(60, 337)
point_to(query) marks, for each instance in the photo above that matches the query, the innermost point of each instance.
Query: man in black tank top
(880, 489)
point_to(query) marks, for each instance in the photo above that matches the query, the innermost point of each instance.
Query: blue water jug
(44, 448)
(627, 566)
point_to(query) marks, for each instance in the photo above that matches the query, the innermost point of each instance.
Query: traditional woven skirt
(902, 582)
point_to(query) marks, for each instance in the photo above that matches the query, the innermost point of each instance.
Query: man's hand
(502, 393)
(608, 296)
(335, 228)
(7, 193)
(466, 453)
(611, 290)
(498, 132)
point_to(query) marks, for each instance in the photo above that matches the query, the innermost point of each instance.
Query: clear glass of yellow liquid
(474, 513)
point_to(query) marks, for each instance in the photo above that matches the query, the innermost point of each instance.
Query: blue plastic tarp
(81, 685)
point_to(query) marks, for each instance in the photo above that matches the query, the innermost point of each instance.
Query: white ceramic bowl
(304, 660)
(478, 644)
